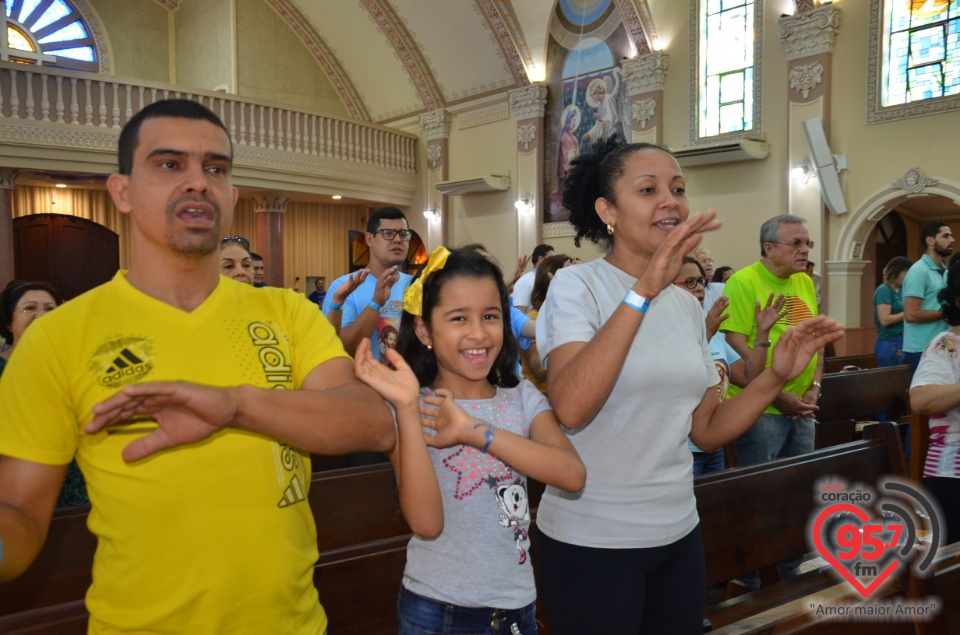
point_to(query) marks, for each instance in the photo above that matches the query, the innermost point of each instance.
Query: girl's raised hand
(668, 258)
(442, 414)
(399, 385)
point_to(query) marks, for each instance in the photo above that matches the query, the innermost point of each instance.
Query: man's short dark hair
(930, 230)
(177, 108)
(389, 213)
(254, 256)
(539, 252)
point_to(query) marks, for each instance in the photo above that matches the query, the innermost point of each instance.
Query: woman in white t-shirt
(935, 391)
(629, 372)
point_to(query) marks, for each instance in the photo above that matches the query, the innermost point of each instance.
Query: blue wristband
(336, 307)
(488, 435)
(373, 305)
(636, 301)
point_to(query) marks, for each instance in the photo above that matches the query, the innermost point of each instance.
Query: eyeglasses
(692, 282)
(240, 240)
(33, 308)
(797, 244)
(390, 234)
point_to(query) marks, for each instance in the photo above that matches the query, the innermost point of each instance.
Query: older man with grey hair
(786, 428)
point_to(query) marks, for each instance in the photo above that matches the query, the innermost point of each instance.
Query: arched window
(727, 57)
(48, 32)
(916, 59)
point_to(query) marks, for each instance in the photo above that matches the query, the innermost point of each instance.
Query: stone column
(8, 178)
(844, 301)
(435, 134)
(529, 105)
(808, 39)
(269, 215)
(644, 76)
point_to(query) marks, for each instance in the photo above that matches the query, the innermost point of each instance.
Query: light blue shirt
(924, 280)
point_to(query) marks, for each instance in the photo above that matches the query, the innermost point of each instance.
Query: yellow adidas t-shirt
(215, 537)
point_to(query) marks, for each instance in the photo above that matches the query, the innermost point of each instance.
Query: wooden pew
(361, 534)
(837, 364)
(755, 517)
(860, 396)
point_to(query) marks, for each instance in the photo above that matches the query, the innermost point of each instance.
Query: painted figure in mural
(602, 96)
(569, 144)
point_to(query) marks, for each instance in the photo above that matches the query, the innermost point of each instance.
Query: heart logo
(850, 539)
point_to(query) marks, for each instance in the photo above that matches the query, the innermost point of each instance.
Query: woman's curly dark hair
(949, 296)
(463, 262)
(592, 176)
(12, 294)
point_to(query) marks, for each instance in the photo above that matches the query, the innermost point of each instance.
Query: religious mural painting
(588, 99)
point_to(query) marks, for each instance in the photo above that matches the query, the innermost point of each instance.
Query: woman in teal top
(888, 313)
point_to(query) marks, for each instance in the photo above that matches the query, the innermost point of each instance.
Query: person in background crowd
(924, 280)
(888, 313)
(378, 300)
(786, 426)
(319, 294)
(524, 286)
(21, 303)
(257, 261)
(235, 261)
(533, 370)
(722, 274)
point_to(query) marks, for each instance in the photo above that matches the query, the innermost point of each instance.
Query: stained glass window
(921, 51)
(726, 67)
(49, 33)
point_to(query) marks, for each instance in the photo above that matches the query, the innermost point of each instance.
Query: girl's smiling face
(466, 331)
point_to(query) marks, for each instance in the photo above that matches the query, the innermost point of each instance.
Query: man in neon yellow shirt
(786, 428)
(212, 533)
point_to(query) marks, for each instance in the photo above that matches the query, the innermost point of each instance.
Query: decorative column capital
(267, 204)
(529, 102)
(8, 178)
(810, 33)
(435, 125)
(645, 73)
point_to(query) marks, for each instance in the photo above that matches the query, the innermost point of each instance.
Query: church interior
(337, 108)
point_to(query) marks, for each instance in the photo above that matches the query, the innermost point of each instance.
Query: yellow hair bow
(413, 296)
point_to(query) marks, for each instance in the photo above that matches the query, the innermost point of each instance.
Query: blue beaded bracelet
(373, 305)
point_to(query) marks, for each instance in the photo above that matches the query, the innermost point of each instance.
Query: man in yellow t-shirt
(787, 427)
(198, 490)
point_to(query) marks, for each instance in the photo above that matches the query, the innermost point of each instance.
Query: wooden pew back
(863, 394)
(837, 364)
(756, 517)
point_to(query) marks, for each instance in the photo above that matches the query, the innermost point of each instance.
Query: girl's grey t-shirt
(481, 558)
(639, 490)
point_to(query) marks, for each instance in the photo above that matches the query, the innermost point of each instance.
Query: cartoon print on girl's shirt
(514, 510)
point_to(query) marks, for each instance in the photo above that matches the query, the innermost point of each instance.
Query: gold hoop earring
(610, 229)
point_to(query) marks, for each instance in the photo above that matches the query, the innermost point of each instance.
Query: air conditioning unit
(741, 150)
(490, 183)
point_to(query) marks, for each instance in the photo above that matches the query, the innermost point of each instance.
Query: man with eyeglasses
(922, 320)
(787, 427)
(378, 302)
